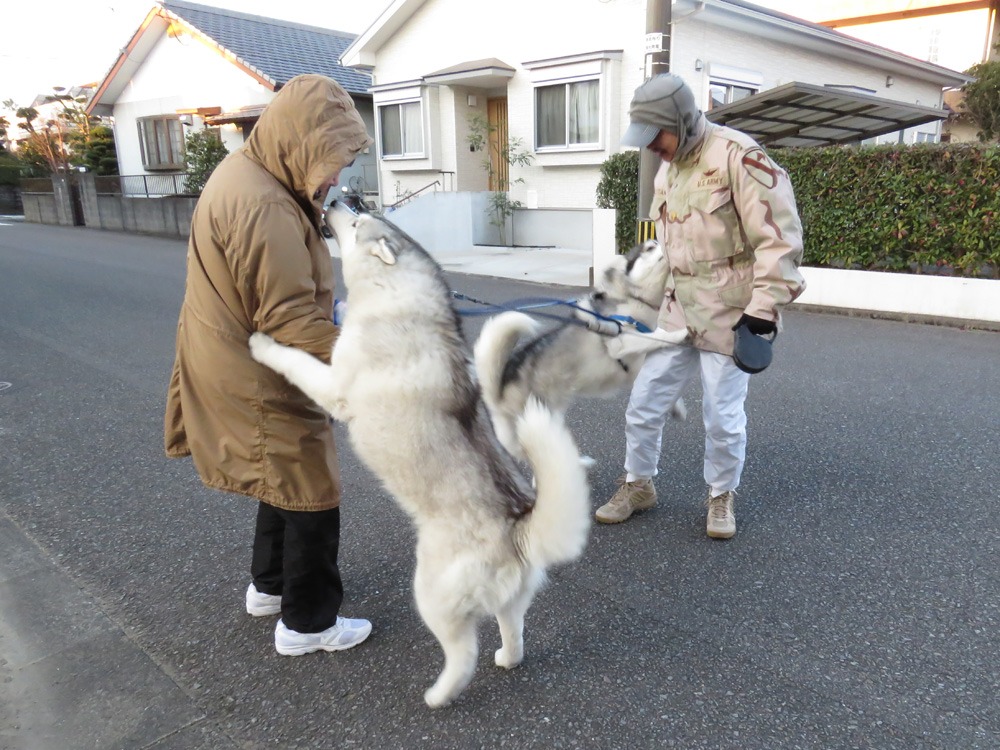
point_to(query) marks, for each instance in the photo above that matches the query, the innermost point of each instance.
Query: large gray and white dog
(516, 360)
(401, 379)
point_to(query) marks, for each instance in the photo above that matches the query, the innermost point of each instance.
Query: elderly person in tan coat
(726, 216)
(257, 262)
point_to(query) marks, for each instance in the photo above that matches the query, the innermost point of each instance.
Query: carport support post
(658, 18)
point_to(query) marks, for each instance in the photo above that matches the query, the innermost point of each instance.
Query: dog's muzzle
(340, 212)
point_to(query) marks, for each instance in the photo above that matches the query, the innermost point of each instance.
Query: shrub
(618, 189)
(203, 152)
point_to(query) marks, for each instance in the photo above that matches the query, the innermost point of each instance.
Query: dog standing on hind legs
(516, 360)
(400, 378)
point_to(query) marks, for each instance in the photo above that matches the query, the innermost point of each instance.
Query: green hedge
(921, 209)
(911, 209)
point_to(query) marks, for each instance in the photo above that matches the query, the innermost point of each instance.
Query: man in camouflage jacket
(726, 216)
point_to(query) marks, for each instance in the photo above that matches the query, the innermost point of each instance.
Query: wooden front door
(496, 114)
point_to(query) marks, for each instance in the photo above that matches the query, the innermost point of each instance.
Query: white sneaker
(262, 605)
(721, 523)
(346, 633)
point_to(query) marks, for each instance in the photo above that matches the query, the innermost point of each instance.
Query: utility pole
(658, 14)
(993, 45)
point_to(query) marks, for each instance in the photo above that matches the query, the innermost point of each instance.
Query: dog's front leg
(304, 371)
(630, 342)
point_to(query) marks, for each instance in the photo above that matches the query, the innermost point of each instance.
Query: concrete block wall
(40, 208)
(169, 216)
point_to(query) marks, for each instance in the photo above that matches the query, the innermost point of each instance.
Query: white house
(558, 76)
(191, 66)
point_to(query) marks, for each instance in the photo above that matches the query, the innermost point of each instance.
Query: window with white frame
(723, 92)
(161, 141)
(568, 115)
(401, 126)
(924, 137)
(727, 84)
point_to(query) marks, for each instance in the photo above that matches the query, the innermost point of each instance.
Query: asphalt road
(856, 608)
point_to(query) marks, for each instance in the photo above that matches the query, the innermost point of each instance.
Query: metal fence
(134, 185)
(142, 185)
(36, 185)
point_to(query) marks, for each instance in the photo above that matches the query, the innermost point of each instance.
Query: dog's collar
(629, 320)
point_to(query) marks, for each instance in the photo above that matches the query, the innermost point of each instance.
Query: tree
(509, 153)
(982, 99)
(95, 150)
(70, 138)
(204, 151)
(44, 145)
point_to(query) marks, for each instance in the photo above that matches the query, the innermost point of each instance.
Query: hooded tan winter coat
(257, 262)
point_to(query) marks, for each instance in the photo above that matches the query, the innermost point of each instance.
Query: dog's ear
(606, 279)
(382, 250)
(614, 282)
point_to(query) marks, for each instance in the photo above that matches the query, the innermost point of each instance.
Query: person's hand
(758, 326)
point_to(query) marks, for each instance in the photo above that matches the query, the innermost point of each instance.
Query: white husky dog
(516, 361)
(401, 379)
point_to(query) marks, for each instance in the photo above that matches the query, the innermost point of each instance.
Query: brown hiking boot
(721, 522)
(630, 497)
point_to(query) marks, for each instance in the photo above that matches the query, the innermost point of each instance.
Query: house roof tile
(278, 50)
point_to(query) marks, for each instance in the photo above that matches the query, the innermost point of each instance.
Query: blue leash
(537, 303)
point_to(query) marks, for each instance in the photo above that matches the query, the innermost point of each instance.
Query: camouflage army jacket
(726, 216)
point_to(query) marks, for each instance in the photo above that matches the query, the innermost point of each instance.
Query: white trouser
(659, 384)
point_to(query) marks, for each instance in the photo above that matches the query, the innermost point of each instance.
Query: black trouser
(295, 557)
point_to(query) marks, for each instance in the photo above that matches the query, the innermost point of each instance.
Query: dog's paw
(670, 337)
(338, 410)
(260, 345)
(506, 660)
(437, 697)
(679, 410)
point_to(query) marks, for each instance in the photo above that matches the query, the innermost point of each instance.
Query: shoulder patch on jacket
(761, 168)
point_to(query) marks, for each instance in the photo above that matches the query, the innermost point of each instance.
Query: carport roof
(804, 114)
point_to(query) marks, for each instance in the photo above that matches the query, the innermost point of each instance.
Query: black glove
(758, 326)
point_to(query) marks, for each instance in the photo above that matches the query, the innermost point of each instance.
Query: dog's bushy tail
(556, 530)
(493, 348)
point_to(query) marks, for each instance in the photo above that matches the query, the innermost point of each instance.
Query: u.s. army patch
(761, 168)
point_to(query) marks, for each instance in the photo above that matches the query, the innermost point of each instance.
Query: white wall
(181, 73)
(519, 32)
(780, 63)
(933, 296)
